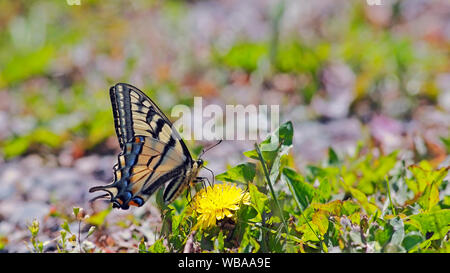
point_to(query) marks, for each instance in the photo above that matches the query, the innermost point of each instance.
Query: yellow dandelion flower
(215, 203)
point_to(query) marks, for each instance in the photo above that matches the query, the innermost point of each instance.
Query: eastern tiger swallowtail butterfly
(153, 153)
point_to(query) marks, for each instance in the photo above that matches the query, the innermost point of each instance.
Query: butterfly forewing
(153, 154)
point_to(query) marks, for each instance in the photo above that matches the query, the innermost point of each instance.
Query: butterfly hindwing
(153, 154)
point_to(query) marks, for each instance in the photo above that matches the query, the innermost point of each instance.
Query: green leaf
(258, 199)
(277, 144)
(176, 221)
(45, 136)
(374, 172)
(141, 246)
(247, 213)
(355, 218)
(20, 66)
(424, 175)
(362, 199)
(316, 171)
(219, 242)
(251, 154)
(98, 218)
(285, 133)
(349, 207)
(41, 246)
(399, 231)
(256, 246)
(383, 233)
(245, 55)
(412, 185)
(16, 146)
(446, 202)
(275, 169)
(310, 231)
(297, 57)
(332, 157)
(412, 239)
(324, 190)
(358, 195)
(434, 221)
(63, 235)
(248, 243)
(302, 191)
(241, 173)
(75, 210)
(158, 247)
(430, 197)
(321, 221)
(65, 226)
(331, 208)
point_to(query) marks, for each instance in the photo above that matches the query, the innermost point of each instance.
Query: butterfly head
(196, 166)
(200, 163)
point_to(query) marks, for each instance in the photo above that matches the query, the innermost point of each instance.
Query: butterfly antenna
(205, 150)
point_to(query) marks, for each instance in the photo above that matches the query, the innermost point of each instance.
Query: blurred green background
(58, 60)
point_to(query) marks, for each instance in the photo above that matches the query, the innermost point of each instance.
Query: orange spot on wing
(132, 203)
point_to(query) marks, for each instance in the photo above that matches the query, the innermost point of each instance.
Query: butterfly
(153, 153)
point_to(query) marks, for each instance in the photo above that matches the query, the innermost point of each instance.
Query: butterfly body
(153, 154)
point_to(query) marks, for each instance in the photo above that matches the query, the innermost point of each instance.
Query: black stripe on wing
(120, 101)
(147, 109)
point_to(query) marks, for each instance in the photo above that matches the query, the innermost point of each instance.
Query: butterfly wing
(153, 154)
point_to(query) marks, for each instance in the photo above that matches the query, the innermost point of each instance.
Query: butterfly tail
(105, 196)
(111, 195)
(110, 189)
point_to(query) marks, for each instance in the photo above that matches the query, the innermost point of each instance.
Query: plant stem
(292, 237)
(274, 43)
(389, 195)
(266, 173)
(79, 234)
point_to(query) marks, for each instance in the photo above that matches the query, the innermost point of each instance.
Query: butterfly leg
(202, 179)
(213, 176)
